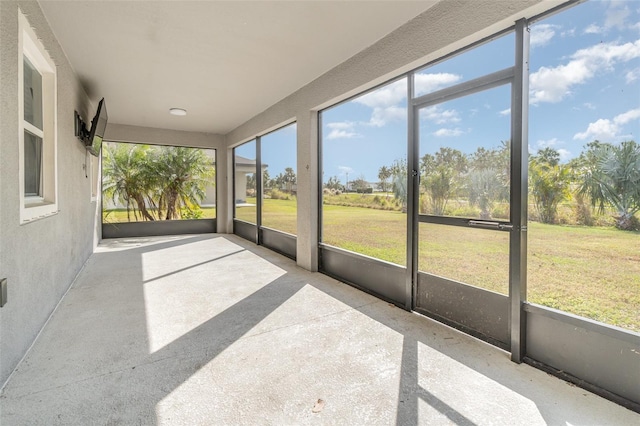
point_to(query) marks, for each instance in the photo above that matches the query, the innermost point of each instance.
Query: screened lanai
(467, 168)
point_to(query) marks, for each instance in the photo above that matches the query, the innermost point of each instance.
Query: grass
(120, 215)
(589, 271)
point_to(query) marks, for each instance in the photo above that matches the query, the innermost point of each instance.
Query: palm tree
(613, 177)
(289, 179)
(549, 185)
(485, 188)
(443, 175)
(182, 176)
(334, 183)
(488, 180)
(127, 180)
(399, 182)
(384, 173)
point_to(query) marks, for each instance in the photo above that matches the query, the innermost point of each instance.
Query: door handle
(487, 224)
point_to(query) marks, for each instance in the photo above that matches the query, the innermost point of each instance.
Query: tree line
(283, 181)
(604, 176)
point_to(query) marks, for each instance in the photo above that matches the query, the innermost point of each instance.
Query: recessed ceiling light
(177, 111)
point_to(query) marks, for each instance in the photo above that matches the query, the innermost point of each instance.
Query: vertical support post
(318, 123)
(258, 190)
(519, 192)
(231, 185)
(413, 201)
(308, 188)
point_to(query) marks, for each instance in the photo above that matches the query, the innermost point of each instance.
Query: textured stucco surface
(444, 28)
(40, 259)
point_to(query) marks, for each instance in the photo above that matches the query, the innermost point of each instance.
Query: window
(583, 243)
(156, 183)
(364, 152)
(279, 184)
(37, 127)
(245, 182)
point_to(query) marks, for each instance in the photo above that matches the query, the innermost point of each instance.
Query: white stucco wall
(442, 29)
(40, 259)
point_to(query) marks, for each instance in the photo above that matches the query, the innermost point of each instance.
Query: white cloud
(568, 33)
(606, 130)
(564, 154)
(542, 34)
(448, 132)
(341, 125)
(389, 95)
(386, 100)
(616, 15)
(555, 83)
(427, 83)
(342, 130)
(342, 134)
(602, 129)
(593, 29)
(628, 116)
(547, 143)
(589, 105)
(345, 170)
(632, 75)
(505, 111)
(381, 116)
(438, 116)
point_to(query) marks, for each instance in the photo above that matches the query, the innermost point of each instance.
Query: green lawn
(120, 215)
(588, 271)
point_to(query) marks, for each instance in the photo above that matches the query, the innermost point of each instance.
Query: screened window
(244, 158)
(279, 179)
(364, 174)
(487, 58)
(156, 183)
(583, 242)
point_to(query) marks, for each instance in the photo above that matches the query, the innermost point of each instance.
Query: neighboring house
(243, 168)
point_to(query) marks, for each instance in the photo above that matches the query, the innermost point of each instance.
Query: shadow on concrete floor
(215, 330)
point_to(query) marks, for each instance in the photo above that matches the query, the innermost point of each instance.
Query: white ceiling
(222, 61)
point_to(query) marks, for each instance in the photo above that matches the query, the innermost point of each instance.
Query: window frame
(95, 175)
(46, 203)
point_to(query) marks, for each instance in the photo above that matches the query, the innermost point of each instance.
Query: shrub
(195, 213)
(501, 211)
(464, 211)
(276, 194)
(582, 211)
(565, 215)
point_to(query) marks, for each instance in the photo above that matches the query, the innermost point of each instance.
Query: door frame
(517, 77)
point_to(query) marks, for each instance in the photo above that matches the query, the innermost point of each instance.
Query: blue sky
(584, 85)
(278, 150)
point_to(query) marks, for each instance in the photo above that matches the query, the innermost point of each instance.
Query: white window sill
(32, 212)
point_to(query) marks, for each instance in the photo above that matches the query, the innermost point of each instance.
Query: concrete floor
(211, 330)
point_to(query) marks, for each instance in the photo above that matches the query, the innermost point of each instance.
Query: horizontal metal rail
(470, 87)
(465, 222)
